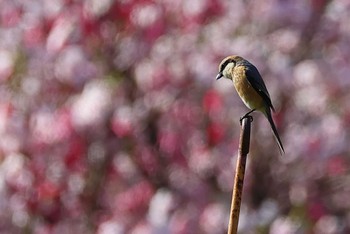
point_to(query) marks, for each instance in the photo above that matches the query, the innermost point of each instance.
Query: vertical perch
(243, 150)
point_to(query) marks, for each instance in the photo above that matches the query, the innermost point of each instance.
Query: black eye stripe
(226, 63)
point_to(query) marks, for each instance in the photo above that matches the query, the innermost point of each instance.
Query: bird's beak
(219, 76)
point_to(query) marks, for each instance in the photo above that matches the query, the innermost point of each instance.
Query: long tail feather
(275, 133)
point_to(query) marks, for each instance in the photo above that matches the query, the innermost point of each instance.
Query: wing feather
(255, 80)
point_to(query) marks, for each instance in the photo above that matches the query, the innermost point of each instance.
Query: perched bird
(250, 88)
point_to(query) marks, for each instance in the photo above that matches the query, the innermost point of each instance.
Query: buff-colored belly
(247, 93)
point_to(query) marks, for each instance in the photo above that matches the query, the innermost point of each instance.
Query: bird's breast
(247, 93)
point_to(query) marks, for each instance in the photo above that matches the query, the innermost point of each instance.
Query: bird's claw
(250, 118)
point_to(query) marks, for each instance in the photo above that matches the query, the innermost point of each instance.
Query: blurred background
(111, 120)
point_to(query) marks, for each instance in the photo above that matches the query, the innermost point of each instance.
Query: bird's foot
(249, 117)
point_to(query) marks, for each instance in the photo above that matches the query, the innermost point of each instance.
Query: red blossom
(215, 133)
(212, 102)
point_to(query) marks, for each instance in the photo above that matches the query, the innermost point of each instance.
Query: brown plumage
(250, 88)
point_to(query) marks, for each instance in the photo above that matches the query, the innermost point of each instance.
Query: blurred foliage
(111, 120)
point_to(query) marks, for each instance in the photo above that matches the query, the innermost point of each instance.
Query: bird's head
(227, 65)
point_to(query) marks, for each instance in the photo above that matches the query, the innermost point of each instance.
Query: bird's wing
(258, 84)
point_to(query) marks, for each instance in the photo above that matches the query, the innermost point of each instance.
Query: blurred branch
(311, 26)
(97, 171)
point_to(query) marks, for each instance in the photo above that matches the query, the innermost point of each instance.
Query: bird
(250, 87)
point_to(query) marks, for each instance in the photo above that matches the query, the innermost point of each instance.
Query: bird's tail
(275, 133)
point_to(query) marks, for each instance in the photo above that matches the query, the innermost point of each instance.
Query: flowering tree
(111, 120)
